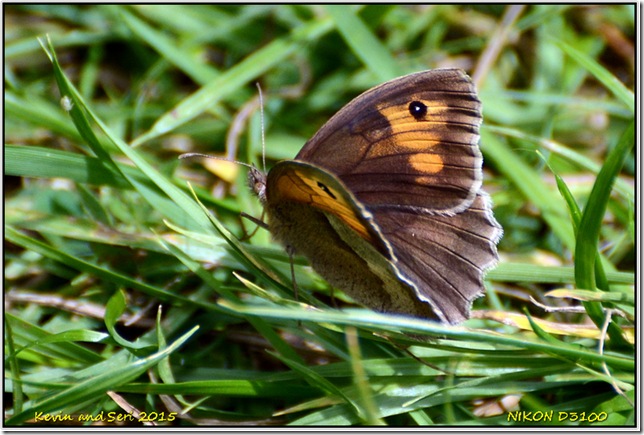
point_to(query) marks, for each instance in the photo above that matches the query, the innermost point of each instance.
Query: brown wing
(411, 142)
(444, 256)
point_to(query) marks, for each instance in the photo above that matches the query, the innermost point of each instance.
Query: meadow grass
(133, 297)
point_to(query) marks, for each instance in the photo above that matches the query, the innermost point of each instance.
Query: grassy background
(123, 296)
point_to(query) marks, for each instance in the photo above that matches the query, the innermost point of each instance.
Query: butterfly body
(385, 199)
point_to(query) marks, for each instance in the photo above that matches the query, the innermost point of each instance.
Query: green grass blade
(602, 74)
(14, 368)
(71, 261)
(96, 201)
(179, 207)
(364, 43)
(591, 220)
(531, 185)
(320, 382)
(97, 386)
(382, 322)
(27, 334)
(198, 71)
(38, 162)
(233, 79)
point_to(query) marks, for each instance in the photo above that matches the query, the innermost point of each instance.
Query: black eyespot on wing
(418, 110)
(326, 190)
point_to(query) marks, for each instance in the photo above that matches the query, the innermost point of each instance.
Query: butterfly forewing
(300, 182)
(411, 142)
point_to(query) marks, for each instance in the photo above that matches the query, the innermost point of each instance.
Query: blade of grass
(96, 386)
(113, 310)
(587, 295)
(320, 382)
(526, 272)
(602, 74)
(575, 214)
(41, 113)
(531, 185)
(624, 188)
(383, 322)
(264, 328)
(37, 162)
(167, 48)
(28, 333)
(71, 261)
(590, 225)
(14, 369)
(369, 409)
(178, 207)
(233, 78)
(363, 43)
(69, 336)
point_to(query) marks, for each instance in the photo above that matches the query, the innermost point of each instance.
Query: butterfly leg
(290, 251)
(259, 222)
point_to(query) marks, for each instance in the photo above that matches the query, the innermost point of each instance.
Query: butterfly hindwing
(444, 256)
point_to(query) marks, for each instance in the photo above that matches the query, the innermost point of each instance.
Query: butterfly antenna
(207, 156)
(261, 122)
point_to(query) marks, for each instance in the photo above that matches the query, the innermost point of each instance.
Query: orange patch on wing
(426, 163)
(409, 134)
(299, 187)
(406, 132)
(400, 119)
(417, 140)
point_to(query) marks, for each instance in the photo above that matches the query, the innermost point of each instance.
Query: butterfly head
(257, 183)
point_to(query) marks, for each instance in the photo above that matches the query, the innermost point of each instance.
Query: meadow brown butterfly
(385, 200)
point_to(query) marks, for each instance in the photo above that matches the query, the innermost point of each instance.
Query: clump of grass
(131, 300)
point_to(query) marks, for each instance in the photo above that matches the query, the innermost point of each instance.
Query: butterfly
(385, 199)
